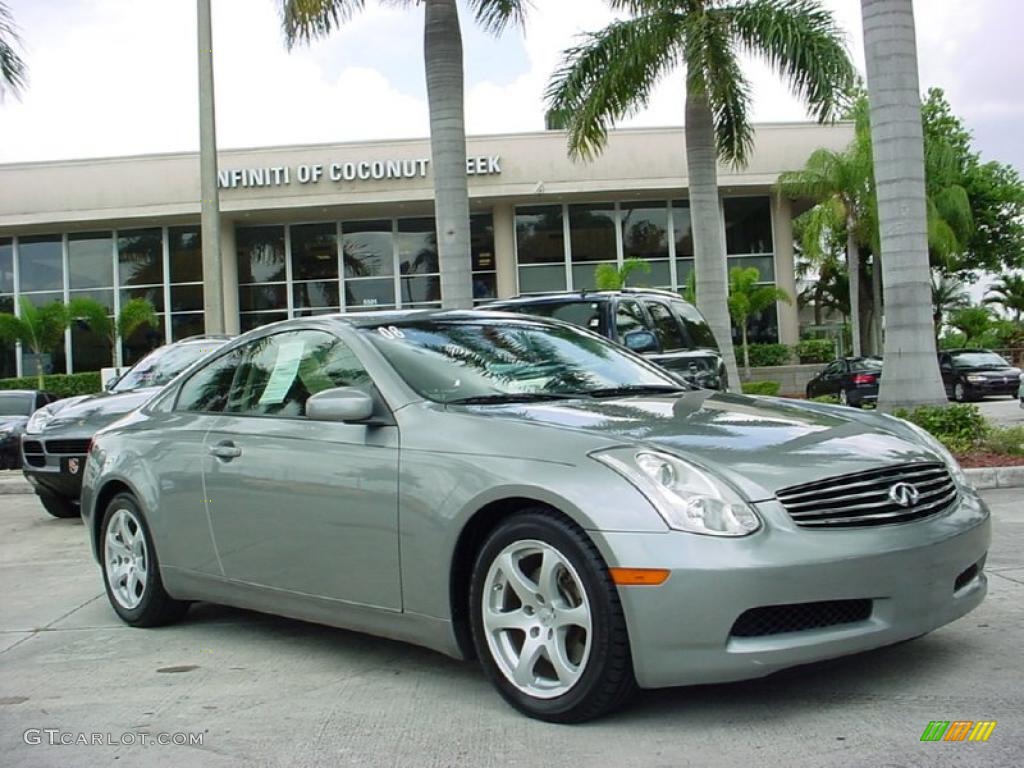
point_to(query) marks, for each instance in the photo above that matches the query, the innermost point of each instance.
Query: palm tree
(841, 183)
(1008, 292)
(610, 75)
(748, 296)
(305, 20)
(134, 314)
(610, 277)
(12, 68)
(948, 295)
(911, 365)
(41, 329)
(972, 322)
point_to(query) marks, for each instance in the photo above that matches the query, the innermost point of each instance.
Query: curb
(988, 478)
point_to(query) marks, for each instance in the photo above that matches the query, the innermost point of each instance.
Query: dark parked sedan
(854, 380)
(56, 438)
(971, 374)
(16, 405)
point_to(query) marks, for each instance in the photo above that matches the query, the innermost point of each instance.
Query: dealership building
(349, 227)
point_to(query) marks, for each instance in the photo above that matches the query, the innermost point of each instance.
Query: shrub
(830, 399)
(761, 388)
(816, 351)
(1006, 440)
(769, 354)
(961, 428)
(63, 385)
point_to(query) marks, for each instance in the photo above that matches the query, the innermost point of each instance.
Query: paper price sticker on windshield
(289, 356)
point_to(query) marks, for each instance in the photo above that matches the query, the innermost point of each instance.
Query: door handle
(226, 450)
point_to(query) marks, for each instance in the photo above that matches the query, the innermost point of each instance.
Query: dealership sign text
(353, 171)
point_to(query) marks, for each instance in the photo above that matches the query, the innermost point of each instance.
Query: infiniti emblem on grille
(904, 494)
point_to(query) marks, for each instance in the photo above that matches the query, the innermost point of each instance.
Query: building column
(505, 249)
(785, 269)
(229, 275)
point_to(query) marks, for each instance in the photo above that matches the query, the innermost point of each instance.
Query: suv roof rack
(208, 337)
(660, 291)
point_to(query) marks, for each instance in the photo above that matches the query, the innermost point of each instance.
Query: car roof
(23, 391)
(374, 318)
(584, 295)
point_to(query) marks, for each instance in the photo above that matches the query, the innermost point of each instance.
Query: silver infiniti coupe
(526, 492)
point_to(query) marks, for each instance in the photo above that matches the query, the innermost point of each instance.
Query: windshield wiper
(509, 397)
(635, 389)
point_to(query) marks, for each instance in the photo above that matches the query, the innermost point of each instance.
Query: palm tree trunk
(853, 268)
(746, 350)
(708, 244)
(876, 296)
(442, 52)
(39, 367)
(911, 364)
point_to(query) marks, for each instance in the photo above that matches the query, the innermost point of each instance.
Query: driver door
(305, 506)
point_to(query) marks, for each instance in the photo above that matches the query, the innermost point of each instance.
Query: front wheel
(547, 622)
(960, 392)
(131, 573)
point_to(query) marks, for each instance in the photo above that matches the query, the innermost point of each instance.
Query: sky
(118, 77)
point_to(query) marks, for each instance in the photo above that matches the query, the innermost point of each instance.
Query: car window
(163, 364)
(16, 403)
(279, 373)
(866, 364)
(979, 360)
(696, 326)
(586, 314)
(833, 368)
(629, 317)
(665, 326)
(207, 389)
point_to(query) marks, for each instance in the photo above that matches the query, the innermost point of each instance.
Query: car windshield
(163, 364)
(16, 403)
(454, 360)
(586, 314)
(697, 327)
(979, 360)
(866, 364)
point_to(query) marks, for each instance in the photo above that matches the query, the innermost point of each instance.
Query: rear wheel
(547, 622)
(130, 569)
(59, 506)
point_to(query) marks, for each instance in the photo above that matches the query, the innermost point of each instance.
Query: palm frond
(610, 75)
(133, 315)
(94, 316)
(13, 73)
(495, 15)
(803, 42)
(305, 20)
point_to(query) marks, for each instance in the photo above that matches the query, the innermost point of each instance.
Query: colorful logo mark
(958, 730)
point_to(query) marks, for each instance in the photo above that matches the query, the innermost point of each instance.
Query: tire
(125, 535)
(59, 506)
(844, 398)
(596, 667)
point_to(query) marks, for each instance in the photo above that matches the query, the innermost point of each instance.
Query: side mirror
(641, 341)
(346, 404)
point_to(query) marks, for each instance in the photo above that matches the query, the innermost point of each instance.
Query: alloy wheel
(958, 392)
(537, 619)
(126, 558)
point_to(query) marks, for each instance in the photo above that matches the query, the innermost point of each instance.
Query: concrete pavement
(1002, 411)
(265, 691)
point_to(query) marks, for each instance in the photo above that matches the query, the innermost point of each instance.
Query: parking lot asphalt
(1003, 411)
(265, 691)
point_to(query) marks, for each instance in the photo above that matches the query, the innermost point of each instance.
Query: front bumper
(47, 464)
(682, 632)
(993, 388)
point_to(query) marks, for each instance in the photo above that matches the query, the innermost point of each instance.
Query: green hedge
(761, 388)
(769, 354)
(961, 428)
(816, 351)
(63, 385)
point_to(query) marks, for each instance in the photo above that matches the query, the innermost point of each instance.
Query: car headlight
(37, 421)
(932, 443)
(688, 498)
(4, 432)
(975, 377)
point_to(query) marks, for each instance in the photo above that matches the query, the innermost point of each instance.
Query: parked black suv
(971, 374)
(657, 324)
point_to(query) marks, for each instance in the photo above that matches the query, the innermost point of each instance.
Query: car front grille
(870, 498)
(33, 446)
(797, 617)
(73, 447)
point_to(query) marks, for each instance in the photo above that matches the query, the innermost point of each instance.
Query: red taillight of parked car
(864, 378)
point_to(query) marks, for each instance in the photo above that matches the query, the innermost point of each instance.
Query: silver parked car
(524, 491)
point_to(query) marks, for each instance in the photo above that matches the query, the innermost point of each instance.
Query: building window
(748, 225)
(645, 235)
(368, 257)
(484, 263)
(185, 264)
(8, 367)
(314, 254)
(418, 263)
(540, 248)
(592, 241)
(262, 273)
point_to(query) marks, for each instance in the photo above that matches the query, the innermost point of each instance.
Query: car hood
(992, 371)
(91, 413)
(13, 422)
(761, 445)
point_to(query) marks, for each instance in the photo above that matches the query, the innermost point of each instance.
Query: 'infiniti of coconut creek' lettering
(355, 171)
